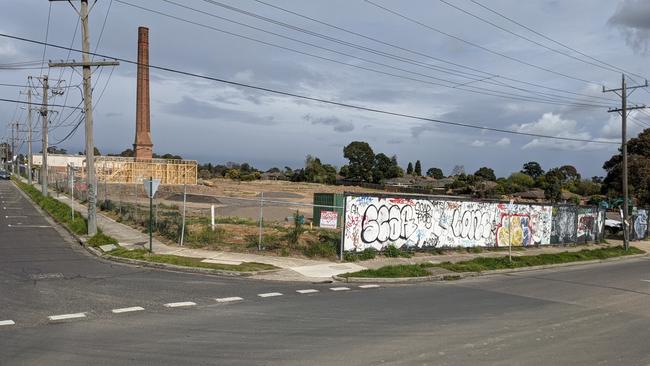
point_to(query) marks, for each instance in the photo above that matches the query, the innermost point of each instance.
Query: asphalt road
(584, 315)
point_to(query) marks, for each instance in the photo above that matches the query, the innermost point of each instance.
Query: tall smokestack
(143, 147)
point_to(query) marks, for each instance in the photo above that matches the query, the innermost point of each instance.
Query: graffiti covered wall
(640, 227)
(563, 229)
(376, 222)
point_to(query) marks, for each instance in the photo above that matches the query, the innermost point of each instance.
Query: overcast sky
(487, 78)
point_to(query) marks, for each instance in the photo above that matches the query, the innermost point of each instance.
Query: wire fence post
(183, 223)
(259, 241)
(71, 171)
(212, 217)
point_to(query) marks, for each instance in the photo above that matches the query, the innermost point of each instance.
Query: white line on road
(29, 226)
(270, 294)
(368, 286)
(229, 299)
(7, 322)
(179, 304)
(15, 217)
(128, 310)
(67, 316)
(339, 288)
(645, 280)
(308, 291)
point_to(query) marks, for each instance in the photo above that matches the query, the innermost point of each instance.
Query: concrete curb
(179, 268)
(96, 252)
(462, 275)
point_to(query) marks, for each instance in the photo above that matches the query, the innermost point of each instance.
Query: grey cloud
(394, 141)
(632, 17)
(192, 108)
(337, 124)
(416, 131)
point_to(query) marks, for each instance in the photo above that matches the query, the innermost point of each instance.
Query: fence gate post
(259, 241)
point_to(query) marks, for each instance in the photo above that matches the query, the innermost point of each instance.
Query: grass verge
(144, 255)
(55, 208)
(62, 214)
(100, 239)
(481, 264)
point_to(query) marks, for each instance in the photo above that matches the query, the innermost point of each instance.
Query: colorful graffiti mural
(376, 222)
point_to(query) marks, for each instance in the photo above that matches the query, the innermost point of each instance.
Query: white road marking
(29, 226)
(368, 286)
(645, 280)
(308, 291)
(15, 217)
(7, 322)
(127, 310)
(339, 288)
(270, 294)
(229, 299)
(67, 316)
(179, 304)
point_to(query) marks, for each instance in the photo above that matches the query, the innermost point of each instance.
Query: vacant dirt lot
(232, 198)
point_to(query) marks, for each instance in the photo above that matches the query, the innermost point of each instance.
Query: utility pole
(29, 135)
(13, 147)
(86, 64)
(16, 164)
(623, 111)
(44, 111)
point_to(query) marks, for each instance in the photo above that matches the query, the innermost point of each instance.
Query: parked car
(5, 175)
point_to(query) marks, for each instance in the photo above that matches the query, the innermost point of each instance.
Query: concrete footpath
(302, 269)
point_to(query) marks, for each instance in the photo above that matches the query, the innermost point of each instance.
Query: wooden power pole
(86, 64)
(44, 133)
(623, 111)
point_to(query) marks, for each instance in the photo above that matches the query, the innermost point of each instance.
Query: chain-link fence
(274, 222)
(283, 223)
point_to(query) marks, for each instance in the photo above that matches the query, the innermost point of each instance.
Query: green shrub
(206, 236)
(367, 254)
(323, 250)
(107, 205)
(293, 236)
(100, 239)
(269, 241)
(393, 252)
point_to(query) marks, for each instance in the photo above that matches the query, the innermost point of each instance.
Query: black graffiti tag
(387, 223)
(424, 214)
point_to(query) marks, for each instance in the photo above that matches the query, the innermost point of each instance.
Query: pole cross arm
(79, 63)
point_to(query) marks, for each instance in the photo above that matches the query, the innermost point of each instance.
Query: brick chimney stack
(143, 147)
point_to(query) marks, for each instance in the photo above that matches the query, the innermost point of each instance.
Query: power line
(553, 40)
(392, 45)
(545, 97)
(319, 100)
(47, 32)
(479, 46)
(99, 40)
(34, 103)
(526, 38)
